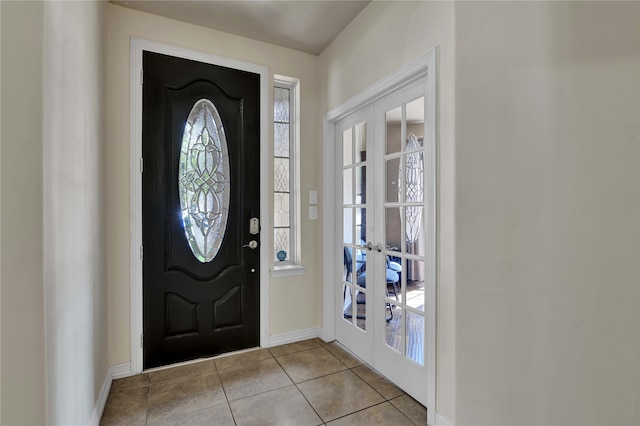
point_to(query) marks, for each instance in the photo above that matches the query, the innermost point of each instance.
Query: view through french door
(386, 237)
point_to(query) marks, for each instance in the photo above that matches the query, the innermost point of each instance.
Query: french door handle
(369, 246)
(377, 247)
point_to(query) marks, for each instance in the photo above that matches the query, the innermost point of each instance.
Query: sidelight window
(285, 218)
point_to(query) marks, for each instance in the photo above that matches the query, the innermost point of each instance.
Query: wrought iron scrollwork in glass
(414, 187)
(203, 180)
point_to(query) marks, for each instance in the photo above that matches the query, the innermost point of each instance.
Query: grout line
(225, 395)
(301, 393)
(362, 409)
(296, 351)
(146, 414)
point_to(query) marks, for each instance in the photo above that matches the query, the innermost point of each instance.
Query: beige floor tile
(128, 407)
(339, 394)
(261, 392)
(411, 408)
(196, 368)
(309, 364)
(285, 406)
(137, 381)
(381, 414)
(343, 354)
(252, 379)
(185, 395)
(242, 359)
(220, 415)
(379, 383)
(295, 347)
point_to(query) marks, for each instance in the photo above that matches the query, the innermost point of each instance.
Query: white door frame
(423, 66)
(137, 47)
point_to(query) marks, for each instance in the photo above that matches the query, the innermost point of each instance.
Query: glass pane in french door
(354, 222)
(405, 234)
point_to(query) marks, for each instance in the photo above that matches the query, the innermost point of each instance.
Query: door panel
(400, 350)
(387, 186)
(193, 307)
(354, 297)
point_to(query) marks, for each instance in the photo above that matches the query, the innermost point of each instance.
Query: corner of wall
(23, 396)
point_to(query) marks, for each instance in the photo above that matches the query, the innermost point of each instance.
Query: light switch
(313, 213)
(313, 197)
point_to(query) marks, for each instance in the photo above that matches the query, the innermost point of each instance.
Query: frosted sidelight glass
(203, 180)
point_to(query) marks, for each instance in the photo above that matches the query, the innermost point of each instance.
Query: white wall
(22, 334)
(547, 207)
(53, 296)
(74, 204)
(295, 302)
(381, 39)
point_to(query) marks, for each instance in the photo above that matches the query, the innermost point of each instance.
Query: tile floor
(302, 383)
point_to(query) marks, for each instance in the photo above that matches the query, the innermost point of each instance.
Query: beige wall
(547, 207)
(382, 38)
(295, 302)
(22, 334)
(542, 324)
(54, 338)
(74, 204)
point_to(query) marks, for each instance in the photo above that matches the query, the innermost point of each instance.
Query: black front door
(200, 189)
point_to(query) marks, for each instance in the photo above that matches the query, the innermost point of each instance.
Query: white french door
(386, 236)
(355, 298)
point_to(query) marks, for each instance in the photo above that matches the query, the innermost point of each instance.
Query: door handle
(369, 246)
(253, 244)
(377, 247)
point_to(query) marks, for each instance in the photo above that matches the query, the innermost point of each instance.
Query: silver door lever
(253, 244)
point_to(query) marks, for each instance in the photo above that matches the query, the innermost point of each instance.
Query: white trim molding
(120, 371)
(287, 271)
(137, 47)
(441, 421)
(294, 336)
(419, 67)
(114, 372)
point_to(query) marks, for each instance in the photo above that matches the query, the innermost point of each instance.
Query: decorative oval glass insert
(203, 180)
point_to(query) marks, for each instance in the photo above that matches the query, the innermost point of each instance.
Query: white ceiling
(305, 25)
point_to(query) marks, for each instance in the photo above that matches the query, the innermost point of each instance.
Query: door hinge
(141, 164)
(141, 252)
(141, 340)
(141, 77)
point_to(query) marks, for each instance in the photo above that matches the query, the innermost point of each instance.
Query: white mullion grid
(358, 165)
(351, 286)
(355, 166)
(403, 231)
(291, 227)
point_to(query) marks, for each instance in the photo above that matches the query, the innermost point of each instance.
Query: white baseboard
(119, 371)
(114, 372)
(441, 421)
(293, 336)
